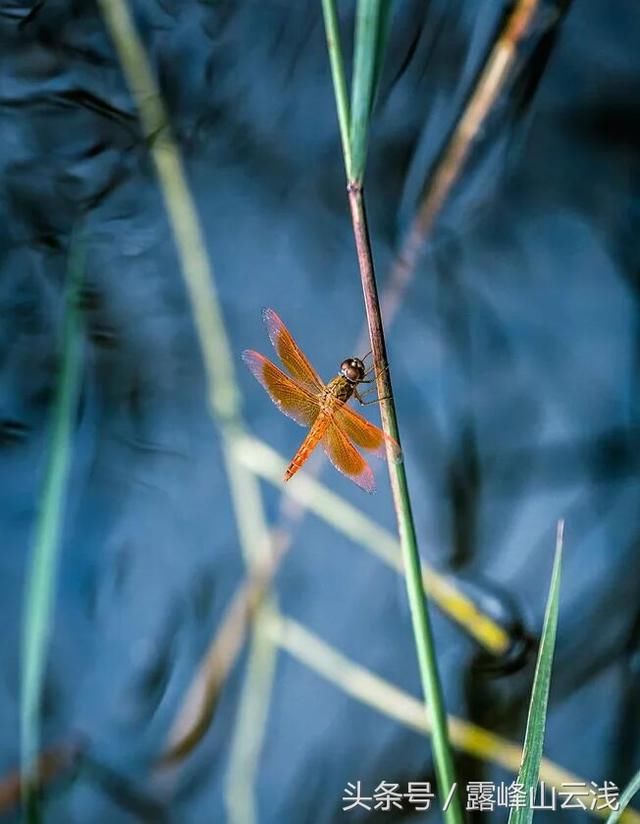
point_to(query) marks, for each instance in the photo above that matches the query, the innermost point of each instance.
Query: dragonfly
(323, 408)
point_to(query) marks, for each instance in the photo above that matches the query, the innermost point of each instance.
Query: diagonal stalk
(339, 80)
(367, 59)
(223, 394)
(623, 810)
(490, 84)
(41, 583)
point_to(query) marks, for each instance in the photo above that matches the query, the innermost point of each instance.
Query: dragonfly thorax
(340, 389)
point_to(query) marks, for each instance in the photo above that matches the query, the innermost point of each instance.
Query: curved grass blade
(534, 736)
(41, 575)
(627, 794)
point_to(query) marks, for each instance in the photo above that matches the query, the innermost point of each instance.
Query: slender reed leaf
(625, 798)
(536, 721)
(371, 24)
(41, 576)
(381, 45)
(334, 48)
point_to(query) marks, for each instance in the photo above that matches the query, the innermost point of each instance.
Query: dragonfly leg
(368, 392)
(371, 369)
(361, 398)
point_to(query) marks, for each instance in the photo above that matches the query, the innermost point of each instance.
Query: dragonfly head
(353, 370)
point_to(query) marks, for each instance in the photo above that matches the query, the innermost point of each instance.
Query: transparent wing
(292, 399)
(365, 434)
(346, 458)
(290, 353)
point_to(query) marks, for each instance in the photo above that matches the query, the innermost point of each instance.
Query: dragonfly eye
(352, 369)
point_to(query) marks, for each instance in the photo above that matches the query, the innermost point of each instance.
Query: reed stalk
(529, 771)
(368, 49)
(41, 581)
(223, 394)
(625, 812)
(416, 593)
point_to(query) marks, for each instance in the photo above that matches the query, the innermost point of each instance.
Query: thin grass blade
(536, 721)
(332, 29)
(371, 26)
(381, 45)
(41, 575)
(625, 799)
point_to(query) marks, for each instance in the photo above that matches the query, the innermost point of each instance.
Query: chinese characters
(484, 796)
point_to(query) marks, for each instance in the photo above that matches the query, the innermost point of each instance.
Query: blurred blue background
(515, 360)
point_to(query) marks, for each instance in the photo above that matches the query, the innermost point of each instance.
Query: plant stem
(366, 65)
(406, 527)
(332, 30)
(529, 772)
(627, 794)
(40, 587)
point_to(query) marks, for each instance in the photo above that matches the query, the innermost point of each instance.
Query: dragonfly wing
(290, 353)
(346, 458)
(365, 434)
(289, 396)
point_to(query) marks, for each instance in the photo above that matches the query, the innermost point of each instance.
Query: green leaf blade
(42, 572)
(625, 798)
(536, 720)
(332, 30)
(370, 35)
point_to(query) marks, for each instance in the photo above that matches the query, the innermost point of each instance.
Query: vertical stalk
(332, 30)
(366, 65)
(411, 558)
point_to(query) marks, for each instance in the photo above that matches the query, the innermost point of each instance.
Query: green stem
(529, 772)
(411, 558)
(627, 794)
(338, 76)
(370, 17)
(41, 577)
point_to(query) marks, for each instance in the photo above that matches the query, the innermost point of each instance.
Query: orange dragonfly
(303, 396)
